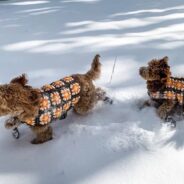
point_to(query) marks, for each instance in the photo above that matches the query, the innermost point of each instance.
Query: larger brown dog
(39, 107)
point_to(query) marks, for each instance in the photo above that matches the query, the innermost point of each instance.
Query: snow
(118, 144)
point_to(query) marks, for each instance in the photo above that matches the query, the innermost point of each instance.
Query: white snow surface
(114, 144)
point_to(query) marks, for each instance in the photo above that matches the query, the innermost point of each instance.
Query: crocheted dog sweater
(174, 90)
(56, 100)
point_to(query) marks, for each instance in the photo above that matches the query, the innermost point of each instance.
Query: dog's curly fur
(156, 74)
(20, 101)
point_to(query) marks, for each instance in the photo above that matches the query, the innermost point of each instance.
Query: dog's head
(156, 73)
(17, 95)
(157, 69)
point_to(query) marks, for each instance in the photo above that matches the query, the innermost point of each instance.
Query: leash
(16, 133)
(107, 99)
(113, 69)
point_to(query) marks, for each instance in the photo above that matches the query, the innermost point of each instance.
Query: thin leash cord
(113, 70)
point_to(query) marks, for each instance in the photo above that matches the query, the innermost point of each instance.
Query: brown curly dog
(39, 107)
(166, 92)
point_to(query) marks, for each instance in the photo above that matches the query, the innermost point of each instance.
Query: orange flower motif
(75, 100)
(180, 98)
(57, 112)
(66, 106)
(58, 84)
(30, 121)
(68, 79)
(66, 94)
(173, 83)
(45, 118)
(75, 88)
(48, 87)
(44, 103)
(182, 86)
(55, 98)
(178, 85)
(169, 95)
(169, 82)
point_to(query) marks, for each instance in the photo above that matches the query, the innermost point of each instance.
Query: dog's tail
(95, 71)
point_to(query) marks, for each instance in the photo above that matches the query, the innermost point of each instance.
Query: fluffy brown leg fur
(165, 108)
(143, 104)
(150, 103)
(43, 134)
(29, 112)
(100, 94)
(12, 123)
(88, 91)
(88, 98)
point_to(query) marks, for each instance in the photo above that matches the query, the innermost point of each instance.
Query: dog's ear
(165, 68)
(164, 60)
(163, 63)
(34, 96)
(22, 80)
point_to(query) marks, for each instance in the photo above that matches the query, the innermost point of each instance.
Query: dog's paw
(108, 100)
(171, 122)
(141, 104)
(39, 141)
(162, 113)
(35, 141)
(9, 124)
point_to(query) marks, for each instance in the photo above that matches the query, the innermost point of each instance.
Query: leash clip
(16, 133)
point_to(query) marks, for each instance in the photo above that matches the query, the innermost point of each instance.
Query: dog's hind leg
(85, 104)
(101, 95)
(43, 134)
(89, 99)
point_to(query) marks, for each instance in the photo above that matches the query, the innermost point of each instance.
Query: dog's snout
(141, 70)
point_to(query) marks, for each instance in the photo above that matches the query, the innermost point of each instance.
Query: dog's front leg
(165, 108)
(43, 134)
(148, 103)
(28, 112)
(12, 123)
(143, 104)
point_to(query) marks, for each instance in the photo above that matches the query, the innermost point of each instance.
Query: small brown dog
(39, 107)
(165, 92)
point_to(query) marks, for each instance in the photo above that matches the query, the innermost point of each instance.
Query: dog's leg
(101, 95)
(85, 104)
(43, 134)
(148, 103)
(164, 110)
(12, 123)
(28, 113)
(143, 104)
